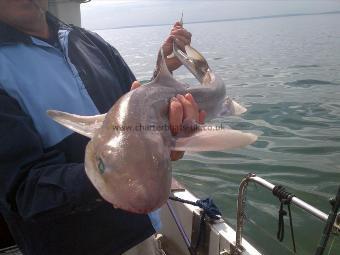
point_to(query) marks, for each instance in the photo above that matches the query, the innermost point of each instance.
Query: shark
(128, 156)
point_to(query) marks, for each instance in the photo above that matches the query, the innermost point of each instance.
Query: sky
(106, 14)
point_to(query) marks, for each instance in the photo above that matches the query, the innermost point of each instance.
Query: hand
(181, 108)
(182, 37)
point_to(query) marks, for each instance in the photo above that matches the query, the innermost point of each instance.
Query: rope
(270, 236)
(207, 205)
(285, 199)
(329, 224)
(208, 209)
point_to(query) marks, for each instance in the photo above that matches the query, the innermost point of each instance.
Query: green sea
(280, 59)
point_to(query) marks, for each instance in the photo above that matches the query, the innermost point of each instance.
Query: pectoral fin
(84, 125)
(214, 140)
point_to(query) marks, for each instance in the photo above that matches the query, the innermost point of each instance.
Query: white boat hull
(219, 239)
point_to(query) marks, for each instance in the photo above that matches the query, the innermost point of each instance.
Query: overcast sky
(101, 14)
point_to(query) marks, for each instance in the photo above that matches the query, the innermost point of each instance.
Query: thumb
(135, 85)
(167, 45)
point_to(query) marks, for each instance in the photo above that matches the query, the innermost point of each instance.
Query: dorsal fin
(84, 125)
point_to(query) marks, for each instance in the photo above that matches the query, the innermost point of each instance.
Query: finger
(189, 111)
(176, 155)
(167, 45)
(172, 63)
(194, 109)
(182, 32)
(181, 40)
(191, 99)
(169, 39)
(135, 85)
(185, 103)
(175, 115)
(185, 39)
(175, 119)
(181, 44)
(178, 24)
(201, 117)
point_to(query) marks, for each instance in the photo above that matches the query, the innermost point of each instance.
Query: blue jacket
(45, 196)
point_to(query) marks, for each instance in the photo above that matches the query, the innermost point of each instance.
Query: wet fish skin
(131, 166)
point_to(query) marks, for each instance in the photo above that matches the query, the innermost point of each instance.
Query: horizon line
(220, 20)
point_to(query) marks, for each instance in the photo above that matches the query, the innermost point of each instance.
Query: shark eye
(100, 165)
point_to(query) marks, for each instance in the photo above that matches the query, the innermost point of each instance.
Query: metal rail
(241, 207)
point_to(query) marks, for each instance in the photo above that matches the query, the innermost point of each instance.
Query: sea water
(280, 59)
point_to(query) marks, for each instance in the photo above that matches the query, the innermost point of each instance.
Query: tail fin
(195, 62)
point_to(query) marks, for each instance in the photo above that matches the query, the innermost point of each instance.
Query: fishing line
(269, 235)
(37, 4)
(331, 246)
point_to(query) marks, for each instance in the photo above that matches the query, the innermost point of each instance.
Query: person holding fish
(46, 198)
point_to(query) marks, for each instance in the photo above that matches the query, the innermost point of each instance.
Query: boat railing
(241, 203)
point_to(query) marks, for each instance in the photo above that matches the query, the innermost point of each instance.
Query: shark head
(126, 173)
(130, 168)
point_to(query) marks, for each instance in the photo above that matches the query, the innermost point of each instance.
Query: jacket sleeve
(121, 67)
(118, 64)
(34, 182)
